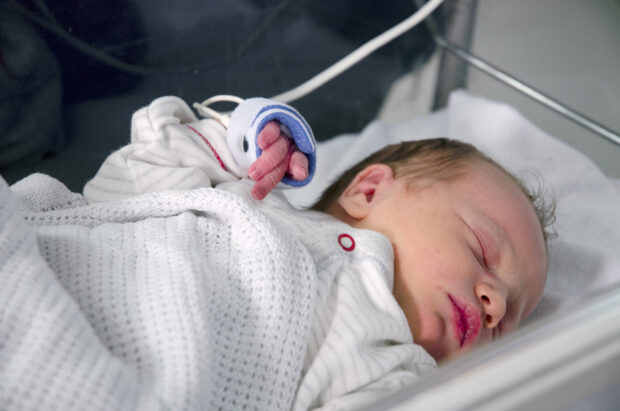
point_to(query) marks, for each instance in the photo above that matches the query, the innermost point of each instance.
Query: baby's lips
(466, 321)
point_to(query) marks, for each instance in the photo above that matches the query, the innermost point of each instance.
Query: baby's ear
(365, 190)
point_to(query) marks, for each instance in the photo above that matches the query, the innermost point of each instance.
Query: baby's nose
(493, 303)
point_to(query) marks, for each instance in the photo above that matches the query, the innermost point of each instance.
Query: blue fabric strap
(251, 116)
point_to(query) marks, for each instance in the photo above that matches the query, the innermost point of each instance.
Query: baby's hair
(437, 159)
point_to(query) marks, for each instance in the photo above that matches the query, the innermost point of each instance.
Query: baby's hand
(280, 156)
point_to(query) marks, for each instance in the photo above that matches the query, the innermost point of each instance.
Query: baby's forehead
(494, 176)
(474, 169)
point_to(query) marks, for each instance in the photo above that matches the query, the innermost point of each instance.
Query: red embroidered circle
(346, 242)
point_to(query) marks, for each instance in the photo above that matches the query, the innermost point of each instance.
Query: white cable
(329, 73)
(359, 54)
(204, 110)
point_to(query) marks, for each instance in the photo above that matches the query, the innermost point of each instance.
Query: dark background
(72, 72)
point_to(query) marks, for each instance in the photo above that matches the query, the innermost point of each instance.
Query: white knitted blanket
(171, 300)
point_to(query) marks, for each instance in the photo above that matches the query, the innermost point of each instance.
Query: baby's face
(470, 259)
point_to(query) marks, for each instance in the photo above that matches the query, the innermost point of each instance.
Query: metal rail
(529, 91)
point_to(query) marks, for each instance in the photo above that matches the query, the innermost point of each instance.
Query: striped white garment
(360, 337)
(359, 347)
(169, 149)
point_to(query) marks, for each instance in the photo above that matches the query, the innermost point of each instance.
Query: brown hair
(437, 159)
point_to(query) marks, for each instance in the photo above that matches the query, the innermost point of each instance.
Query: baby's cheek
(452, 272)
(443, 273)
(433, 347)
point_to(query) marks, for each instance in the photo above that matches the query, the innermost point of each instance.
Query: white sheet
(584, 258)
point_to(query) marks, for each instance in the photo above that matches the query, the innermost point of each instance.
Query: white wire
(204, 110)
(359, 54)
(329, 73)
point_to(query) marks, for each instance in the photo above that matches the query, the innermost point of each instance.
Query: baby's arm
(172, 149)
(280, 156)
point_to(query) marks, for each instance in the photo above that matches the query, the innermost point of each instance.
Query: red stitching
(210, 146)
(346, 248)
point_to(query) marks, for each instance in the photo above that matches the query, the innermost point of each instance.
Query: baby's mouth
(467, 323)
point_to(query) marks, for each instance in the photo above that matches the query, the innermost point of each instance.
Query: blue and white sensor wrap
(251, 116)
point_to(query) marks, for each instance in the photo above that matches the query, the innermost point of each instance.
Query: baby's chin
(442, 351)
(443, 355)
(439, 353)
(453, 355)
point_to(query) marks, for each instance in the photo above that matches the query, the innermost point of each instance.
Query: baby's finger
(263, 186)
(268, 134)
(269, 159)
(298, 166)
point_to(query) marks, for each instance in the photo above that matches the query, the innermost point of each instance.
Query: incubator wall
(73, 72)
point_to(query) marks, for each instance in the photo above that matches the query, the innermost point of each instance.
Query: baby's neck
(336, 211)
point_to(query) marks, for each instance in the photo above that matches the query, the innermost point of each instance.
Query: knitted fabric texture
(171, 300)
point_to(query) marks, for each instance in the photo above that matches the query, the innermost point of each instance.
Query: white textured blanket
(173, 300)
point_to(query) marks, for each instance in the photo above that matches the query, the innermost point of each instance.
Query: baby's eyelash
(482, 255)
(484, 258)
